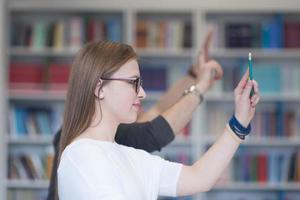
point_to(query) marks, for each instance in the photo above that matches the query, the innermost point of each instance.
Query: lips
(137, 105)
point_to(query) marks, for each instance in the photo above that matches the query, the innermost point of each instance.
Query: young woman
(104, 91)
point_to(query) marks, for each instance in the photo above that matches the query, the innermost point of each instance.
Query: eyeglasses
(136, 82)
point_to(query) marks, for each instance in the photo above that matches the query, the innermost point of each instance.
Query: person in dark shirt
(157, 127)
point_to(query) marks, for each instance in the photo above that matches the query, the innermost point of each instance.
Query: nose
(142, 93)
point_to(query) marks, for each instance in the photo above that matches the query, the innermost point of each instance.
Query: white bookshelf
(30, 141)
(23, 184)
(264, 142)
(228, 97)
(258, 53)
(3, 102)
(130, 11)
(20, 51)
(259, 187)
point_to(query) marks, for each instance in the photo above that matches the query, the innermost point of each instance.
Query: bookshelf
(265, 162)
(3, 103)
(186, 20)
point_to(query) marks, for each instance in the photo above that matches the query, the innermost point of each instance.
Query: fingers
(215, 69)
(255, 85)
(256, 97)
(242, 83)
(247, 90)
(206, 45)
(254, 100)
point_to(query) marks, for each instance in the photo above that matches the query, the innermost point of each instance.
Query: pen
(250, 71)
(250, 66)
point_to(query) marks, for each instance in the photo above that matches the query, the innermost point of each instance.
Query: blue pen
(250, 71)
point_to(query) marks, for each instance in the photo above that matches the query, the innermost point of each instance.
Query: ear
(99, 92)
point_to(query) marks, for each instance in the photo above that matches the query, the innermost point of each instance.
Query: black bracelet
(239, 129)
(191, 73)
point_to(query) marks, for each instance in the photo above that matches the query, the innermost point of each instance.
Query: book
(154, 78)
(39, 35)
(58, 75)
(291, 34)
(76, 36)
(25, 73)
(113, 30)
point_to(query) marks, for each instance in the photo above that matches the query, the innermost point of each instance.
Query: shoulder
(86, 153)
(141, 157)
(88, 159)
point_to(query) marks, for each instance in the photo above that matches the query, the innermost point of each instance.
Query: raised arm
(174, 93)
(178, 110)
(181, 112)
(203, 174)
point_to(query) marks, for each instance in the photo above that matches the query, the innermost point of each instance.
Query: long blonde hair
(95, 60)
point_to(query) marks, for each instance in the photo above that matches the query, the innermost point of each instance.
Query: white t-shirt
(92, 169)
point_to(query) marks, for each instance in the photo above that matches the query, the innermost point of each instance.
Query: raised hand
(209, 72)
(244, 105)
(204, 52)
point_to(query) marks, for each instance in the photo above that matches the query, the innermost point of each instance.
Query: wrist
(233, 135)
(195, 91)
(240, 130)
(242, 121)
(201, 87)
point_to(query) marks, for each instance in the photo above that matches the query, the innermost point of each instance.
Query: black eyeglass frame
(135, 81)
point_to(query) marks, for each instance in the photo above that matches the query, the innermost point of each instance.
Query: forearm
(168, 99)
(181, 113)
(201, 176)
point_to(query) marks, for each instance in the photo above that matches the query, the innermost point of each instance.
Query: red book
(291, 35)
(26, 73)
(91, 30)
(59, 75)
(262, 168)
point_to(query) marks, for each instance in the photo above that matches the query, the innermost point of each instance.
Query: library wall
(42, 40)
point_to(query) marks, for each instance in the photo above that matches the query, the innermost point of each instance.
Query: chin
(130, 119)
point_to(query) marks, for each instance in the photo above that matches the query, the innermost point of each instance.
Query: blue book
(43, 122)
(273, 167)
(265, 31)
(154, 78)
(20, 114)
(114, 30)
(280, 119)
(272, 32)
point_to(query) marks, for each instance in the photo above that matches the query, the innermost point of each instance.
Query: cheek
(123, 100)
